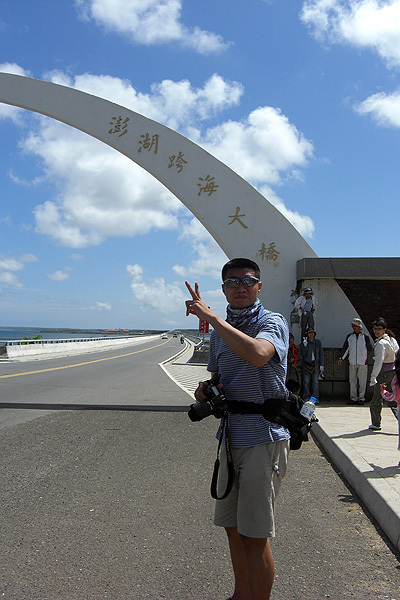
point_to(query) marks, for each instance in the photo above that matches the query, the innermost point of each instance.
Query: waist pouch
(285, 412)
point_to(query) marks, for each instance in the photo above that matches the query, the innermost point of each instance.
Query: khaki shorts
(250, 505)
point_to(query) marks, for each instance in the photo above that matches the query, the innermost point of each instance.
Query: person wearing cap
(355, 348)
(313, 364)
(305, 306)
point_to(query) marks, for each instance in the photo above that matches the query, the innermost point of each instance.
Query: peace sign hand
(196, 306)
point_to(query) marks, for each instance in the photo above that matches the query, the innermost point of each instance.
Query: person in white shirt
(355, 348)
(383, 371)
(305, 306)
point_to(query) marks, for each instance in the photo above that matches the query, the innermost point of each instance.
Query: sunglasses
(234, 282)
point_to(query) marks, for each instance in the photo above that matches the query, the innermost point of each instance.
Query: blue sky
(301, 98)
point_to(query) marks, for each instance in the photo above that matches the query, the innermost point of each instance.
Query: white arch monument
(240, 219)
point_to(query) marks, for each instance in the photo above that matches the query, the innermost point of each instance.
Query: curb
(378, 496)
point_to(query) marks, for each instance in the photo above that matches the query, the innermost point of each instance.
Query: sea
(19, 333)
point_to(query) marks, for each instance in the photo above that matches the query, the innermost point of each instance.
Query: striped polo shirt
(243, 381)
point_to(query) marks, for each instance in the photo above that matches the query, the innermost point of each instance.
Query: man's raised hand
(196, 306)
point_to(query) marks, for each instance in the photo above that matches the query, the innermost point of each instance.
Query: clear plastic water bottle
(307, 410)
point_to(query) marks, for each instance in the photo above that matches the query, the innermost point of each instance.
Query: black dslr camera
(216, 404)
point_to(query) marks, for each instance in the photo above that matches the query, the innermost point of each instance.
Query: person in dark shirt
(313, 364)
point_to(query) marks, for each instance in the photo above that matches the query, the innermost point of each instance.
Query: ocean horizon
(67, 333)
(49, 333)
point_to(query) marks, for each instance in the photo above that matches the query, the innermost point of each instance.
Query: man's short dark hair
(241, 263)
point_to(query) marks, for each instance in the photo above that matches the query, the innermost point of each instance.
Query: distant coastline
(102, 331)
(18, 333)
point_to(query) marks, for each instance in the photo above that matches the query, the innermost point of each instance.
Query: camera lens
(199, 411)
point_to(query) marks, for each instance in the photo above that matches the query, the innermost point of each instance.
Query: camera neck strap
(229, 458)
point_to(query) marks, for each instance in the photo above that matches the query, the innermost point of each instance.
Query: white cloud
(59, 275)
(303, 223)
(101, 193)
(10, 279)
(101, 306)
(24, 182)
(14, 69)
(373, 24)
(261, 146)
(29, 257)
(168, 299)
(150, 22)
(6, 220)
(75, 256)
(383, 108)
(91, 174)
(9, 266)
(177, 104)
(50, 221)
(12, 112)
(135, 272)
(155, 294)
(208, 256)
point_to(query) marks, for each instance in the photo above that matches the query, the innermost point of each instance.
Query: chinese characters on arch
(206, 184)
(149, 142)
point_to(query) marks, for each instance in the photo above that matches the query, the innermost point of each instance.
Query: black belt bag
(285, 412)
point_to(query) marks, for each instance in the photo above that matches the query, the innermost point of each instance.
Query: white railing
(25, 342)
(15, 348)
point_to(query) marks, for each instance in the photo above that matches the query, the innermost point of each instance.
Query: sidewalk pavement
(368, 460)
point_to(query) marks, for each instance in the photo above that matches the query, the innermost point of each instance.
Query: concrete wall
(39, 349)
(375, 298)
(336, 381)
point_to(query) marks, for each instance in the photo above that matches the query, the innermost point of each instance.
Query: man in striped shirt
(248, 352)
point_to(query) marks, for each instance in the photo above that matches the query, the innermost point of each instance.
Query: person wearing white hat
(355, 348)
(305, 306)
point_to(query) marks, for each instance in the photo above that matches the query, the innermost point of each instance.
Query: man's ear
(259, 286)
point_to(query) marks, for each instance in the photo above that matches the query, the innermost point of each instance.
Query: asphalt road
(113, 504)
(110, 378)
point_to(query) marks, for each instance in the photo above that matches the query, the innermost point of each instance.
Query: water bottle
(307, 410)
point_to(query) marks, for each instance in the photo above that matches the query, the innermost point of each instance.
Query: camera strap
(229, 458)
(284, 412)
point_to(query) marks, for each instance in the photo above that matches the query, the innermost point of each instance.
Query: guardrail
(27, 341)
(197, 340)
(14, 348)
